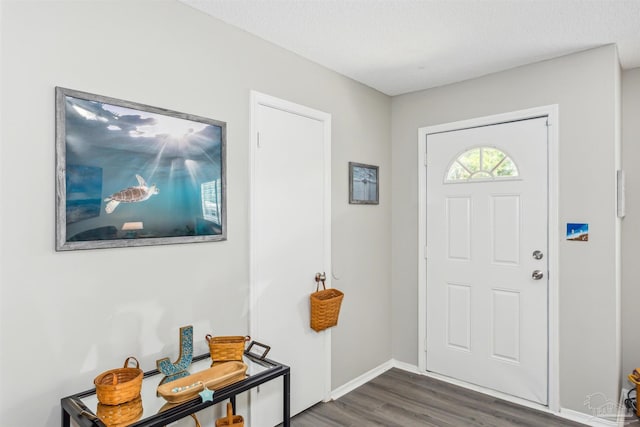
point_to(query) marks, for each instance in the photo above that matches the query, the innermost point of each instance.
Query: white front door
(487, 311)
(290, 243)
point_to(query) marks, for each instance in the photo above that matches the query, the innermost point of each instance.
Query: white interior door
(290, 243)
(487, 240)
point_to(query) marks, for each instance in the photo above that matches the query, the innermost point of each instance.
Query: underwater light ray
(171, 174)
(206, 155)
(156, 161)
(191, 166)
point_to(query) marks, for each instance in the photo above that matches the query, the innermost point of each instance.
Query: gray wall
(631, 223)
(65, 317)
(585, 85)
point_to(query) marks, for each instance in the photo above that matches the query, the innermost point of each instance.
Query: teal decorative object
(178, 369)
(206, 394)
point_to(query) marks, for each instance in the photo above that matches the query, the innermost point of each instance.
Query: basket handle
(114, 378)
(209, 337)
(634, 377)
(196, 420)
(321, 277)
(230, 412)
(126, 362)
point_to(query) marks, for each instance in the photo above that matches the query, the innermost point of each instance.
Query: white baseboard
(393, 363)
(405, 366)
(626, 417)
(623, 418)
(587, 419)
(361, 380)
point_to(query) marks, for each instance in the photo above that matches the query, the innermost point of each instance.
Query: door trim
(257, 99)
(550, 111)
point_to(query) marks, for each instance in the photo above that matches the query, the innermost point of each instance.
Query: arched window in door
(481, 164)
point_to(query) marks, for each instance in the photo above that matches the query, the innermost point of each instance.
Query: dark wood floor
(400, 398)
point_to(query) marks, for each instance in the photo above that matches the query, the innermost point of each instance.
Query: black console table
(83, 407)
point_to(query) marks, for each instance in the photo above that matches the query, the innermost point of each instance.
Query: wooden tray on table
(214, 378)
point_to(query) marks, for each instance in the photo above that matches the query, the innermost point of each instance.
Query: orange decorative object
(214, 378)
(230, 420)
(120, 385)
(634, 377)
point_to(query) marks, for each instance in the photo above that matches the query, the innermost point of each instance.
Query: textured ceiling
(400, 46)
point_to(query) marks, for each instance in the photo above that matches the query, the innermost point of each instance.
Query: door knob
(537, 254)
(537, 275)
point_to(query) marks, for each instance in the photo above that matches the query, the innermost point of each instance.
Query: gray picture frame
(364, 184)
(106, 151)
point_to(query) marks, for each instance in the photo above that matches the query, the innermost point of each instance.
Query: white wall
(631, 223)
(65, 317)
(585, 87)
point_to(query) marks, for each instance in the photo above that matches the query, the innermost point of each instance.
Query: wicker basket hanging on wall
(325, 305)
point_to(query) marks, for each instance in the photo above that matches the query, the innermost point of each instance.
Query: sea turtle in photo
(139, 193)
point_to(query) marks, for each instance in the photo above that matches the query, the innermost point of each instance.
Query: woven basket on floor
(634, 377)
(226, 349)
(120, 385)
(325, 307)
(230, 420)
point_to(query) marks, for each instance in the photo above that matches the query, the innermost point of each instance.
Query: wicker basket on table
(120, 385)
(226, 349)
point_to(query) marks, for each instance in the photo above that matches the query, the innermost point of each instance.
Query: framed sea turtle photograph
(128, 174)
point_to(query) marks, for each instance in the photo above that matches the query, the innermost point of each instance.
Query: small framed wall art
(128, 174)
(578, 232)
(363, 184)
